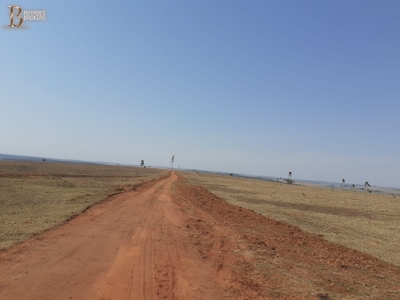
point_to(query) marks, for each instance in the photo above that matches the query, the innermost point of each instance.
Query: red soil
(169, 240)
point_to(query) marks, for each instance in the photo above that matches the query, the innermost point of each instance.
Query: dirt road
(168, 240)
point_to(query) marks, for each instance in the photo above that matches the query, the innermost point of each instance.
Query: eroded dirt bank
(168, 240)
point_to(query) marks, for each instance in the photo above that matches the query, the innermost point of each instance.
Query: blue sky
(255, 87)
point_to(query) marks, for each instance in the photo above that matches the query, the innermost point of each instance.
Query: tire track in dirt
(129, 247)
(169, 240)
(259, 258)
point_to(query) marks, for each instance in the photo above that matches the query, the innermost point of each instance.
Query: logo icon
(13, 9)
(16, 18)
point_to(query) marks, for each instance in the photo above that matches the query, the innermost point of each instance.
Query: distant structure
(367, 186)
(172, 161)
(289, 180)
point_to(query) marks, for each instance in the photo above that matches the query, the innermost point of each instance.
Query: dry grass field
(366, 222)
(155, 235)
(35, 196)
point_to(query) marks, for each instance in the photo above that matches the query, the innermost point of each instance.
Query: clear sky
(254, 87)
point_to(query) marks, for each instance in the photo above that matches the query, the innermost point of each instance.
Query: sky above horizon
(254, 87)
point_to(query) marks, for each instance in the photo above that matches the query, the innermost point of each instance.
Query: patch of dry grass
(366, 222)
(35, 196)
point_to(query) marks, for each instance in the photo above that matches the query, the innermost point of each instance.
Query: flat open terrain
(35, 196)
(168, 239)
(366, 222)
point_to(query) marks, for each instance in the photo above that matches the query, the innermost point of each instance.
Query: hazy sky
(255, 87)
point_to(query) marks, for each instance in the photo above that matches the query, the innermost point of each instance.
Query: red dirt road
(168, 240)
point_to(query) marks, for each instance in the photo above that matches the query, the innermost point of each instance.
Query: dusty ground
(170, 240)
(35, 196)
(366, 222)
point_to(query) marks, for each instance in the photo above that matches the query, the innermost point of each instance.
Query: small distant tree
(231, 174)
(289, 180)
(367, 185)
(142, 163)
(343, 182)
(354, 185)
